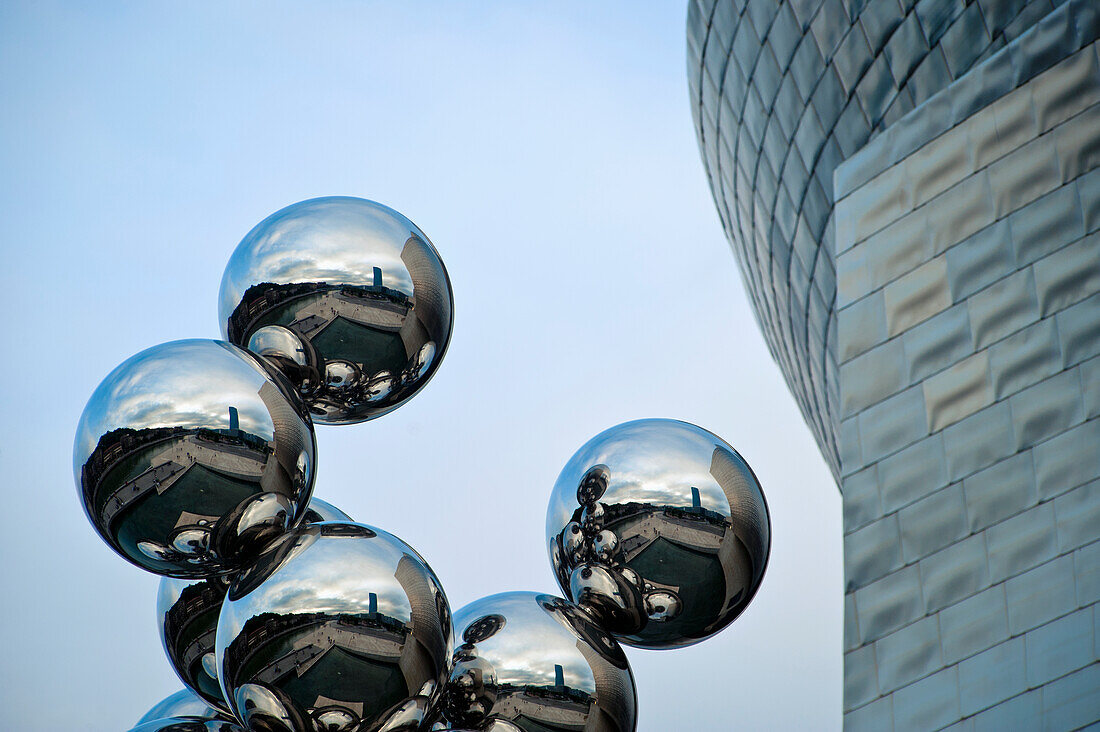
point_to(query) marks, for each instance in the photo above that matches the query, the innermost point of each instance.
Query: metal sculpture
(196, 459)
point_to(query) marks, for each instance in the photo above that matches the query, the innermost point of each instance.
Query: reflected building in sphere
(912, 192)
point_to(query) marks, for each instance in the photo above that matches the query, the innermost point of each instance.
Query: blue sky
(547, 151)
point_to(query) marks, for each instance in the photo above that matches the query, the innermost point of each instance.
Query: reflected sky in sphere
(158, 388)
(320, 240)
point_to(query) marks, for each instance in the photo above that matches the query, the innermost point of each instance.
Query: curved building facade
(912, 192)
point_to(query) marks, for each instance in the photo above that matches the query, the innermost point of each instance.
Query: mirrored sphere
(184, 703)
(538, 662)
(187, 617)
(660, 529)
(348, 297)
(337, 627)
(188, 724)
(318, 511)
(191, 456)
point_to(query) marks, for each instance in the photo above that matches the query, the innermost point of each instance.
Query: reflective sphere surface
(318, 511)
(188, 724)
(337, 627)
(187, 617)
(537, 662)
(348, 297)
(191, 456)
(184, 703)
(660, 529)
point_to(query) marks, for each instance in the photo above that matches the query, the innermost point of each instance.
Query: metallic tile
(930, 703)
(878, 716)
(889, 603)
(1077, 516)
(1022, 542)
(1079, 330)
(1025, 358)
(979, 440)
(958, 391)
(872, 552)
(933, 522)
(1068, 460)
(937, 342)
(954, 573)
(1059, 647)
(1047, 409)
(1069, 275)
(860, 685)
(1024, 174)
(892, 424)
(1000, 491)
(871, 377)
(917, 296)
(1086, 562)
(862, 326)
(862, 504)
(909, 654)
(1074, 700)
(980, 260)
(1046, 225)
(976, 623)
(1040, 595)
(1003, 308)
(1021, 711)
(992, 676)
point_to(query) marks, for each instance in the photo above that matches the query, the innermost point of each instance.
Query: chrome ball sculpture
(348, 297)
(187, 618)
(659, 529)
(191, 456)
(196, 460)
(337, 626)
(538, 661)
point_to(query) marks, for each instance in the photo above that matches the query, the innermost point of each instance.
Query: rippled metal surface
(537, 662)
(191, 455)
(347, 297)
(184, 703)
(338, 626)
(660, 529)
(187, 618)
(188, 724)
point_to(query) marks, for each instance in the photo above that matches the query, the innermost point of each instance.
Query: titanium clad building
(912, 191)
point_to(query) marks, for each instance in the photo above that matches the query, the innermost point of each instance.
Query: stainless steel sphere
(191, 456)
(187, 618)
(537, 662)
(336, 627)
(660, 529)
(188, 724)
(347, 297)
(318, 511)
(184, 703)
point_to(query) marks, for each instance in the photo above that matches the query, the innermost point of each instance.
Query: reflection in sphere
(187, 618)
(536, 662)
(363, 294)
(318, 511)
(183, 703)
(188, 724)
(337, 626)
(191, 456)
(683, 535)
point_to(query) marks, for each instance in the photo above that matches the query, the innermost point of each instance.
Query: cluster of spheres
(195, 460)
